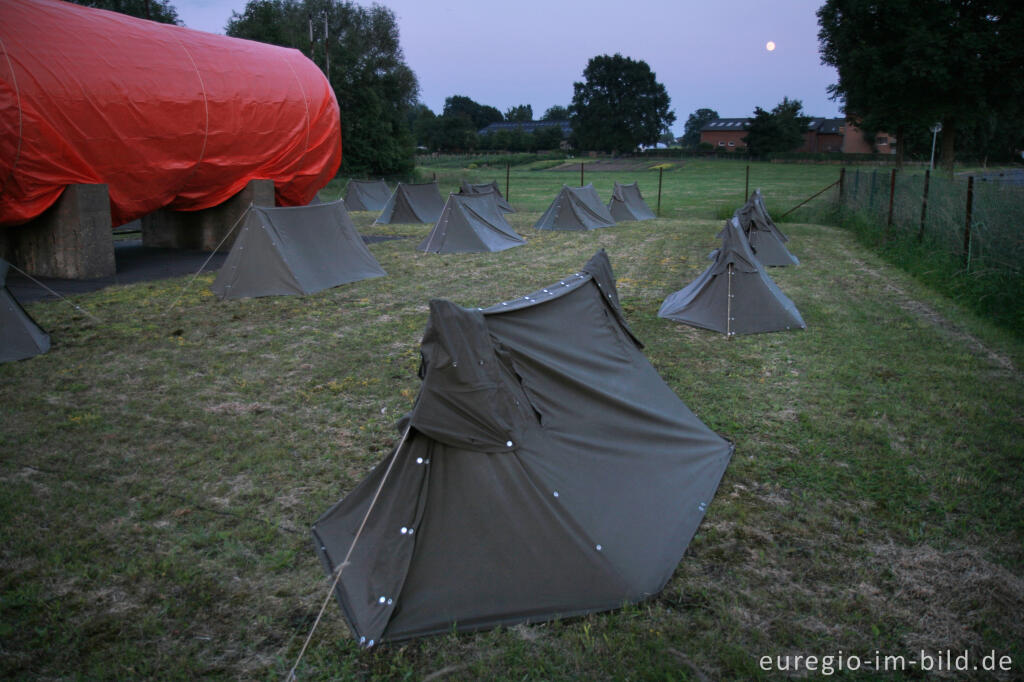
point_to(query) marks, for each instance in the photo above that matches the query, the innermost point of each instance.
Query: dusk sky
(707, 54)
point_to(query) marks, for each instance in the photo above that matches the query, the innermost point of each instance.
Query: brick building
(823, 135)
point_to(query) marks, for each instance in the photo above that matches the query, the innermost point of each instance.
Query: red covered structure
(164, 115)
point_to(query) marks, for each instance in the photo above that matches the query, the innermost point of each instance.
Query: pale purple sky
(707, 54)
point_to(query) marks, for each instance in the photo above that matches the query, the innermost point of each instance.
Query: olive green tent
(734, 295)
(765, 238)
(366, 195)
(575, 208)
(294, 251)
(20, 336)
(412, 203)
(544, 471)
(483, 188)
(471, 223)
(628, 204)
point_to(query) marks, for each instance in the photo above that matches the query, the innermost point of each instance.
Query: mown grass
(160, 469)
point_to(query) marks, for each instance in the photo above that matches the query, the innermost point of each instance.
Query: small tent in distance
(628, 204)
(575, 208)
(765, 238)
(482, 188)
(545, 471)
(295, 251)
(412, 203)
(734, 295)
(20, 336)
(471, 223)
(366, 195)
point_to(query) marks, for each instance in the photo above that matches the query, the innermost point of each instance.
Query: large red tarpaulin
(166, 116)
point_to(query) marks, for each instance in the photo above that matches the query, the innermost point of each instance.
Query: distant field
(160, 470)
(690, 188)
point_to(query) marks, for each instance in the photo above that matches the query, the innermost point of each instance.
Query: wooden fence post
(967, 222)
(746, 187)
(842, 184)
(924, 203)
(581, 173)
(892, 196)
(660, 172)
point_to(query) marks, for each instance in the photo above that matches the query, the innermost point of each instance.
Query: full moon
(770, 46)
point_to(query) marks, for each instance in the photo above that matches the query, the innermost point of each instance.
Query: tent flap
(461, 402)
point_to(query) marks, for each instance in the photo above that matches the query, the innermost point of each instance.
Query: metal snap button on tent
(381, 600)
(419, 460)
(362, 640)
(555, 493)
(404, 530)
(598, 548)
(508, 443)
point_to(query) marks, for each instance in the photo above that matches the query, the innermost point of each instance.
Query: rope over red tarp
(164, 115)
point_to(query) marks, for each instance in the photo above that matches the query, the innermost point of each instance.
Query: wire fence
(978, 219)
(974, 224)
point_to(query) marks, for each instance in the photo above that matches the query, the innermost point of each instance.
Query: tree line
(906, 65)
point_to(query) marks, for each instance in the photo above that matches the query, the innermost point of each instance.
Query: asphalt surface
(134, 263)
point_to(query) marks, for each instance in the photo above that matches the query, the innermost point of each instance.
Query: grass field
(160, 470)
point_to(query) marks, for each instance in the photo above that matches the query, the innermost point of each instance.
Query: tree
(155, 10)
(696, 121)
(556, 113)
(779, 130)
(374, 87)
(523, 112)
(619, 106)
(479, 115)
(954, 61)
(422, 122)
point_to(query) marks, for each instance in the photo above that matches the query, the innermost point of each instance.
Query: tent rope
(57, 294)
(728, 307)
(290, 677)
(207, 261)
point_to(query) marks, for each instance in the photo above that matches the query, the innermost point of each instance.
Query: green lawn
(160, 470)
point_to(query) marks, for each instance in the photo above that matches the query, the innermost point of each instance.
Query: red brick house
(823, 135)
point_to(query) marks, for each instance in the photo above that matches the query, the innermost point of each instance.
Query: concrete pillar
(203, 230)
(72, 239)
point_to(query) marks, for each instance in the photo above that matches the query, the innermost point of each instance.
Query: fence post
(581, 173)
(871, 196)
(746, 187)
(892, 196)
(856, 185)
(842, 184)
(967, 223)
(924, 203)
(508, 166)
(661, 171)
